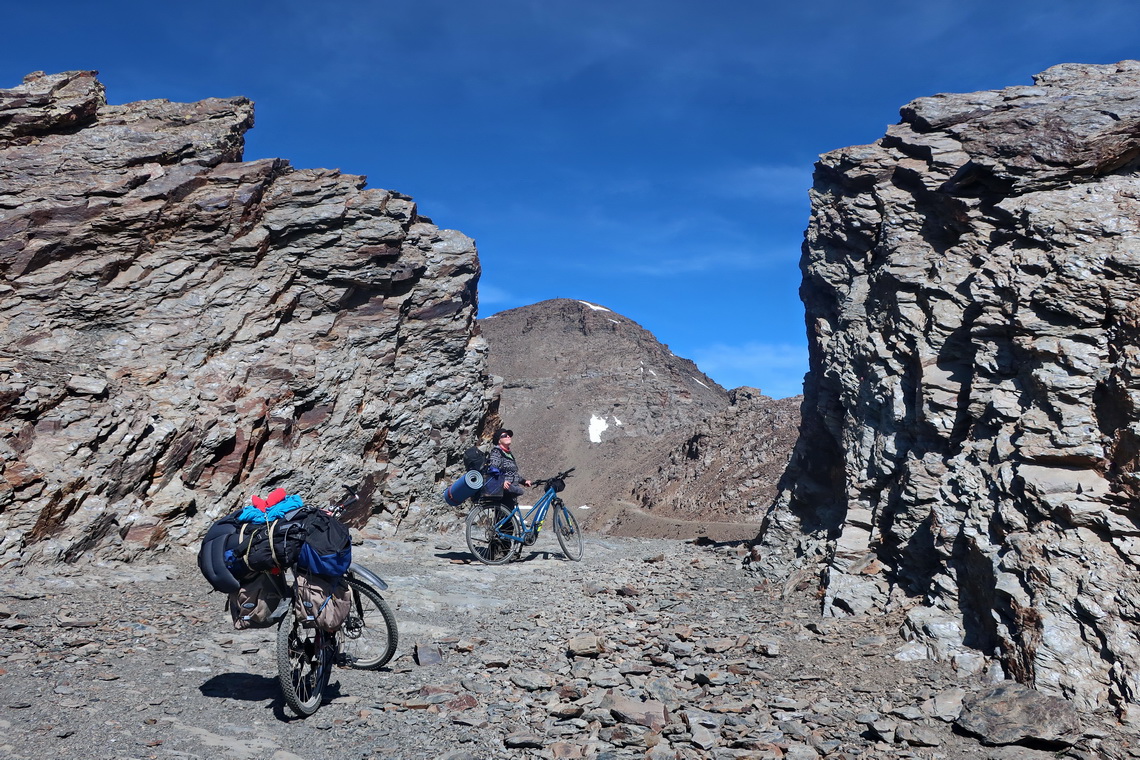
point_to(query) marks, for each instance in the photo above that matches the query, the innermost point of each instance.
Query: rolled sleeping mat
(464, 488)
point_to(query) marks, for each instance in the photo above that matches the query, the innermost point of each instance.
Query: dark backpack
(327, 548)
(474, 459)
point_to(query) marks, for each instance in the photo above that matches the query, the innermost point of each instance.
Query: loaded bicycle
(282, 563)
(496, 532)
(306, 654)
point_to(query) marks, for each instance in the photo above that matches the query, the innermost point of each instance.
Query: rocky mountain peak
(630, 370)
(586, 387)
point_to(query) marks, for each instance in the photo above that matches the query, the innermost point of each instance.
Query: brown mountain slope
(588, 388)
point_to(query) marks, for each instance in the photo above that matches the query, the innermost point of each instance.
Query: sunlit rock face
(972, 413)
(182, 329)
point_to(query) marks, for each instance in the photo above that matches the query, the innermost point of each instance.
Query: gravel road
(645, 648)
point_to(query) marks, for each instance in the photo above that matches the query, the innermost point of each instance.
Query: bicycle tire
(483, 539)
(304, 664)
(369, 635)
(568, 533)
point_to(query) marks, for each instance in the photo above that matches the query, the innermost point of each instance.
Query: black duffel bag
(222, 537)
(264, 546)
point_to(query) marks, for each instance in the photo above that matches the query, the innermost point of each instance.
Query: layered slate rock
(730, 466)
(972, 413)
(182, 329)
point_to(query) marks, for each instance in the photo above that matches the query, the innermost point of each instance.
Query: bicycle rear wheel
(566, 528)
(370, 635)
(484, 524)
(304, 663)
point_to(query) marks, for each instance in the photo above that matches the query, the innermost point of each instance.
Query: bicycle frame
(537, 515)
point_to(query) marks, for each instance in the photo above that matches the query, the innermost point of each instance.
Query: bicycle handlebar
(559, 476)
(349, 498)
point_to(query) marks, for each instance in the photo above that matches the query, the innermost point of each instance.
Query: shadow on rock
(243, 686)
(453, 556)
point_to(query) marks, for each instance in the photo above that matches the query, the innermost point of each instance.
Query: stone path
(646, 648)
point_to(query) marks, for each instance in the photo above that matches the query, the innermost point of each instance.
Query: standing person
(503, 460)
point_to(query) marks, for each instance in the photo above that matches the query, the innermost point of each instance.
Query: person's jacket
(508, 468)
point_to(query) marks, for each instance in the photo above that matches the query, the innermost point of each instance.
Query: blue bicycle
(496, 532)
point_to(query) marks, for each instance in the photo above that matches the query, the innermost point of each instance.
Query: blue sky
(652, 156)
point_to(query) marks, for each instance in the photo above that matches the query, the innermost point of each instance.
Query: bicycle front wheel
(304, 663)
(569, 535)
(485, 523)
(370, 635)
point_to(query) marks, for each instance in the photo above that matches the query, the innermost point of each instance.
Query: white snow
(617, 422)
(698, 382)
(595, 307)
(598, 425)
(584, 506)
(615, 322)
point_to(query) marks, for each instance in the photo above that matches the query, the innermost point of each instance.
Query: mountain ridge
(585, 386)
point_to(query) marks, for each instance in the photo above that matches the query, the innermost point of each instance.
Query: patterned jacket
(505, 463)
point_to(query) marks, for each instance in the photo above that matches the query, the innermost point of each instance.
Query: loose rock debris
(612, 657)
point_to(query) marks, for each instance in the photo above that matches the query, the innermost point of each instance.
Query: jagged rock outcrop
(728, 468)
(182, 329)
(972, 414)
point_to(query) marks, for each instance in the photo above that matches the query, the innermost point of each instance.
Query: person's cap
(503, 431)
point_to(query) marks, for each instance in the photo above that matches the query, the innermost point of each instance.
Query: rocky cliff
(972, 428)
(657, 443)
(182, 329)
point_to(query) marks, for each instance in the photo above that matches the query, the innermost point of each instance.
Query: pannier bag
(327, 549)
(321, 602)
(253, 605)
(493, 484)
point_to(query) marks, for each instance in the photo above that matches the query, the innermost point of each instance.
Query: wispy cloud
(762, 183)
(776, 368)
(493, 298)
(644, 242)
(711, 261)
